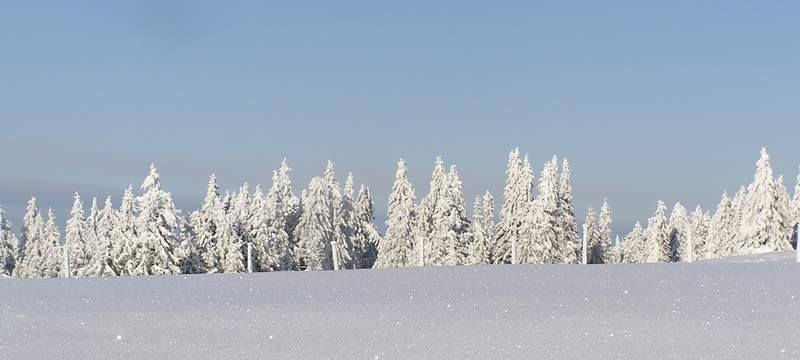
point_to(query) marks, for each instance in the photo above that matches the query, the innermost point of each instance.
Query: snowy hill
(745, 309)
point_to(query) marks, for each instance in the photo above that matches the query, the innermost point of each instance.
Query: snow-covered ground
(746, 308)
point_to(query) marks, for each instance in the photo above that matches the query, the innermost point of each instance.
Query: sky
(648, 100)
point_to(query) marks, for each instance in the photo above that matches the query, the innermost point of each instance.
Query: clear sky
(649, 100)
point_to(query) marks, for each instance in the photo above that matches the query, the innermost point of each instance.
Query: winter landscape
(399, 180)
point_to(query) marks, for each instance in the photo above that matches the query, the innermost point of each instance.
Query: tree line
(332, 227)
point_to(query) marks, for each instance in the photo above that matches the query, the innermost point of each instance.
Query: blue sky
(649, 101)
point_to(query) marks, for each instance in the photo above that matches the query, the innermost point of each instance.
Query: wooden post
(249, 257)
(335, 251)
(585, 244)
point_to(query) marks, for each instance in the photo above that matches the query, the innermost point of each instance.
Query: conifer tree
(157, 226)
(431, 206)
(658, 247)
(633, 248)
(517, 200)
(699, 226)
(102, 263)
(796, 201)
(90, 230)
(317, 227)
(31, 242)
(590, 234)
(285, 202)
(274, 243)
(566, 213)
(604, 234)
(764, 226)
(479, 251)
(125, 241)
(51, 251)
(678, 221)
(365, 235)
(542, 232)
(345, 221)
(8, 245)
(395, 250)
(75, 241)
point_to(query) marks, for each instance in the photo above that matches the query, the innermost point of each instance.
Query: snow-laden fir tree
(590, 235)
(52, 256)
(395, 250)
(658, 247)
(285, 202)
(8, 245)
(447, 240)
(699, 225)
(722, 231)
(239, 215)
(604, 233)
(32, 242)
(157, 226)
(517, 198)
(425, 245)
(678, 222)
(75, 239)
(633, 248)
(274, 247)
(765, 223)
(103, 262)
(317, 227)
(365, 235)
(566, 217)
(125, 242)
(90, 230)
(346, 223)
(232, 258)
(204, 232)
(481, 232)
(542, 231)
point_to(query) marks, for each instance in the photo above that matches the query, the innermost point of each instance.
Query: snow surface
(744, 308)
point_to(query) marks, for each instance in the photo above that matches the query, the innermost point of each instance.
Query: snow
(734, 308)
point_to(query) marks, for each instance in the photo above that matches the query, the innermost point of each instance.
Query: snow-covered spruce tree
(345, 222)
(285, 202)
(31, 242)
(678, 221)
(604, 234)
(566, 217)
(590, 235)
(722, 230)
(102, 263)
(8, 245)
(429, 207)
(395, 250)
(658, 249)
(125, 241)
(541, 241)
(317, 227)
(699, 226)
(271, 248)
(365, 235)
(447, 244)
(633, 248)
(274, 245)
(90, 230)
(203, 233)
(765, 223)
(480, 236)
(157, 226)
(52, 256)
(233, 260)
(517, 197)
(75, 241)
